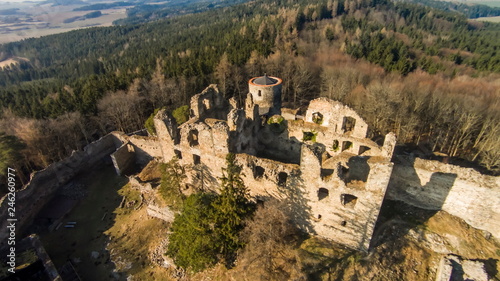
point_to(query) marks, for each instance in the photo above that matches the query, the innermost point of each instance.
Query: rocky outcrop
(454, 268)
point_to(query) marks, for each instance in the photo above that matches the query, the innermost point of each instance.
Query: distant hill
(469, 9)
(8, 12)
(65, 2)
(102, 6)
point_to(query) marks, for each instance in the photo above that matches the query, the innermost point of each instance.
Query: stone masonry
(322, 164)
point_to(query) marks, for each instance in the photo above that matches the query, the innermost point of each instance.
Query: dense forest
(428, 75)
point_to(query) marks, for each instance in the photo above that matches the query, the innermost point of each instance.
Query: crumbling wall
(279, 146)
(344, 197)
(209, 104)
(335, 142)
(146, 148)
(243, 130)
(123, 158)
(454, 267)
(43, 184)
(462, 192)
(204, 143)
(262, 176)
(334, 114)
(167, 134)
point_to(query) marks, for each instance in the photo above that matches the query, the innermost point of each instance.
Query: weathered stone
(333, 192)
(454, 268)
(462, 192)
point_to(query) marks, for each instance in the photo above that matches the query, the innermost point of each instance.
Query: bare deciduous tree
(270, 252)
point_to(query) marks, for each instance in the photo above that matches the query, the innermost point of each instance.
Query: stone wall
(146, 148)
(338, 116)
(462, 192)
(262, 176)
(209, 104)
(454, 267)
(43, 184)
(123, 158)
(167, 134)
(344, 195)
(162, 213)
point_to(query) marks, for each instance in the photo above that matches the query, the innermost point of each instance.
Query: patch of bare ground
(137, 242)
(11, 61)
(151, 173)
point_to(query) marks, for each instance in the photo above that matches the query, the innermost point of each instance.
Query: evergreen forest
(430, 74)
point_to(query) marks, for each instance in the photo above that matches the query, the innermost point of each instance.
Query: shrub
(277, 123)
(309, 136)
(149, 124)
(181, 114)
(170, 188)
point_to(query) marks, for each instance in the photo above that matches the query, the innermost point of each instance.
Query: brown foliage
(270, 252)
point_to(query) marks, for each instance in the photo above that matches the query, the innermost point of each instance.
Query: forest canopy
(427, 74)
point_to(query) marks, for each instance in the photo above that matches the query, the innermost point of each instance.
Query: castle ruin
(333, 177)
(321, 163)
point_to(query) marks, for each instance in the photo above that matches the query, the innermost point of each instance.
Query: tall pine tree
(231, 208)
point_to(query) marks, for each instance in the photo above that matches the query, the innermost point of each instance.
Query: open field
(490, 19)
(78, 243)
(11, 61)
(44, 20)
(487, 3)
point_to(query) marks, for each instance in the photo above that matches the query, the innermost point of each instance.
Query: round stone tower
(266, 92)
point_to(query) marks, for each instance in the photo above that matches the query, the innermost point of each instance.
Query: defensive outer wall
(334, 185)
(462, 192)
(43, 184)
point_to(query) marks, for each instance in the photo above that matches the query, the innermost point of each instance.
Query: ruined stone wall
(280, 146)
(167, 134)
(335, 115)
(123, 158)
(461, 192)
(262, 176)
(333, 141)
(209, 104)
(146, 148)
(43, 184)
(203, 148)
(345, 198)
(243, 132)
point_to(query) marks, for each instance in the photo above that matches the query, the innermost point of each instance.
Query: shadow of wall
(295, 199)
(412, 198)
